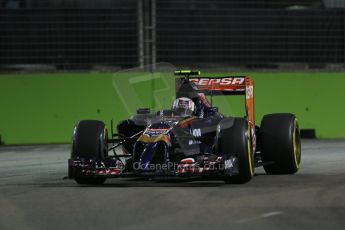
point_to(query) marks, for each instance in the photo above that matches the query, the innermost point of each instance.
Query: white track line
(262, 216)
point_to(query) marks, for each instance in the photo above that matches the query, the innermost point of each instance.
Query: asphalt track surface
(33, 195)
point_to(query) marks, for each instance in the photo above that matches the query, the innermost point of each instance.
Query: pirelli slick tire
(90, 141)
(234, 138)
(281, 143)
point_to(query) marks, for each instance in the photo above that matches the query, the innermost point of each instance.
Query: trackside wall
(43, 108)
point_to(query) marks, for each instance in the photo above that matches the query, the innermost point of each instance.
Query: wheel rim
(296, 145)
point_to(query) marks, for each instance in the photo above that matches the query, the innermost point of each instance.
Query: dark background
(85, 34)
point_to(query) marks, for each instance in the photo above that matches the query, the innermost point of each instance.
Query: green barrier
(43, 108)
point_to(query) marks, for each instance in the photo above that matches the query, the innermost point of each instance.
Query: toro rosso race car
(192, 139)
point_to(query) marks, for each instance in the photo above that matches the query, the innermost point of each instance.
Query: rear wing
(221, 85)
(230, 85)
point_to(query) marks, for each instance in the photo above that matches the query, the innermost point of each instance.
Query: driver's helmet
(183, 106)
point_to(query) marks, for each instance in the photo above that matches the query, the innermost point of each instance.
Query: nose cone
(147, 156)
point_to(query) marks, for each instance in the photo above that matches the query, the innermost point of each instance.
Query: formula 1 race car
(192, 139)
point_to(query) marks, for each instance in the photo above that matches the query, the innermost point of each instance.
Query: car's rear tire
(281, 143)
(234, 138)
(90, 141)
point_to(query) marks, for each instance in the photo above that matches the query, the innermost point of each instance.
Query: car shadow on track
(47, 182)
(144, 182)
(124, 183)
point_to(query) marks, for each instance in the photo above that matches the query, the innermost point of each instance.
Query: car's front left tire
(90, 140)
(234, 137)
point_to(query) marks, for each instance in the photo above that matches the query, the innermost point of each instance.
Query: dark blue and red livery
(204, 144)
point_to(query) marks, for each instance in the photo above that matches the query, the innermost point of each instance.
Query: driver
(183, 106)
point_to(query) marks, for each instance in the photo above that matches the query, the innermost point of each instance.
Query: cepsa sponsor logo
(218, 81)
